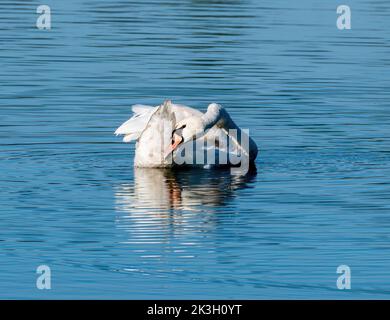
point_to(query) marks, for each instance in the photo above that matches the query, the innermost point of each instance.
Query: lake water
(315, 99)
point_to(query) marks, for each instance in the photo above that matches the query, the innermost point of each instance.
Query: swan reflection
(158, 189)
(162, 202)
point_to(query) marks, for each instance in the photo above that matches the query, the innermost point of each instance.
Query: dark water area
(315, 99)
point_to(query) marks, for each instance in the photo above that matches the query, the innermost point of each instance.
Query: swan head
(186, 130)
(194, 127)
(214, 109)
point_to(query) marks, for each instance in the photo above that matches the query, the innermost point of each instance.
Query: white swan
(165, 130)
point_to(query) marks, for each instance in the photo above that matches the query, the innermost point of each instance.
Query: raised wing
(132, 128)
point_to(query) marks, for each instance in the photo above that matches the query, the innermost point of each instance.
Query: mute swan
(160, 132)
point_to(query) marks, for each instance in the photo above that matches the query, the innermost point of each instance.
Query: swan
(163, 132)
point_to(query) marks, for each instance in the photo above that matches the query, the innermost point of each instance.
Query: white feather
(133, 127)
(155, 138)
(152, 128)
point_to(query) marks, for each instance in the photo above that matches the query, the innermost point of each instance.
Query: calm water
(316, 101)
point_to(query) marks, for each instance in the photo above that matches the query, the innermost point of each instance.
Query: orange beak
(176, 140)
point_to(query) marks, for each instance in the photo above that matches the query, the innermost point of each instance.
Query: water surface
(316, 101)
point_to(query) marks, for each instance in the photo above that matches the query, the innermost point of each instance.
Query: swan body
(163, 132)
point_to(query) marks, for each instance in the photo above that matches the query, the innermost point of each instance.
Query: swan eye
(178, 130)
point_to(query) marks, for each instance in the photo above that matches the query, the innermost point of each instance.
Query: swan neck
(210, 118)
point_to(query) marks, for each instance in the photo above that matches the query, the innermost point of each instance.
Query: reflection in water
(164, 202)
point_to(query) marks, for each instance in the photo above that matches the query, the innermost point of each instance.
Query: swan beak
(176, 140)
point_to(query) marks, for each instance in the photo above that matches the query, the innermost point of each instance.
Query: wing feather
(132, 128)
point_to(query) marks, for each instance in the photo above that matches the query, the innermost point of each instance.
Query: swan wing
(132, 128)
(155, 138)
(182, 111)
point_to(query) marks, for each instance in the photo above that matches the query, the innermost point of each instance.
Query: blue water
(316, 101)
